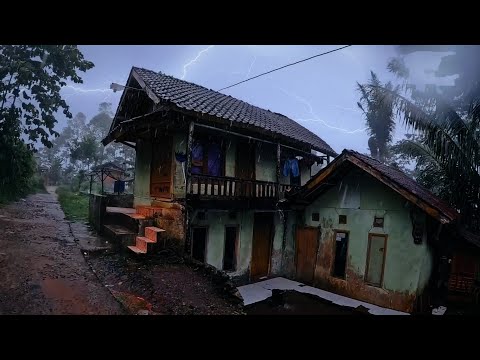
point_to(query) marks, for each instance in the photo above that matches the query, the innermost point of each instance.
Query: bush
(17, 168)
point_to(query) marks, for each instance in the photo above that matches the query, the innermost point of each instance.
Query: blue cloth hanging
(291, 165)
(119, 186)
(180, 157)
(294, 167)
(286, 168)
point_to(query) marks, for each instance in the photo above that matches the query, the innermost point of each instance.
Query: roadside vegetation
(74, 204)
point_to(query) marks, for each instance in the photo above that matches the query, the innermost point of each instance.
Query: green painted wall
(288, 264)
(230, 158)
(304, 174)
(217, 220)
(266, 162)
(143, 158)
(179, 146)
(361, 197)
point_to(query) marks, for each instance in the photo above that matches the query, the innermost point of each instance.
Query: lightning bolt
(316, 118)
(348, 109)
(80, 90)
(191, 62)
(251, 66)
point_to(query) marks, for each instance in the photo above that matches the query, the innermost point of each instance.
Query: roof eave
(438, 214)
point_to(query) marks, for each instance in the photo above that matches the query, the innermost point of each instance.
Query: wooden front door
(376, 259)
(161, 170)
(306, 253)
(245, 168)
(261, 245)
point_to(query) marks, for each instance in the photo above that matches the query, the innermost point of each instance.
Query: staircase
(151, 237)
(129, 225)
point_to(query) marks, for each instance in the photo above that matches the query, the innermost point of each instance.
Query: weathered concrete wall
(304, 174)
(407, 265)
(96, 210)
(230, 157)
(179, 177)
(123, 200)
(143, 161)
(288, 264)
(266, 162)
(171, 218)
(276, 260)
(217, 220)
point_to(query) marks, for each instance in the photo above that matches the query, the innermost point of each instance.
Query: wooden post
(189, 155)
(102, 181)
(188, 185)
(277, 186)
(91, 180)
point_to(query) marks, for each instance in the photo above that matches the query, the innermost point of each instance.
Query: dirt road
(42, 269)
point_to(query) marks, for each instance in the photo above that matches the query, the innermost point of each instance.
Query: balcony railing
(222, 187)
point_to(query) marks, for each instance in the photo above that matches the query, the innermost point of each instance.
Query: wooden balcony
(228, 192)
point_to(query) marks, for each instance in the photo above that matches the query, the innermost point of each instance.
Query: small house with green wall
(367, 231)
(210, 172)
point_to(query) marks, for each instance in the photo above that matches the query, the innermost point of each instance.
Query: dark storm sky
(320, 94)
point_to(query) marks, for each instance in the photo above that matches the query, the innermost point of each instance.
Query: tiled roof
(407, 183)
(388, 174)
(189, 96)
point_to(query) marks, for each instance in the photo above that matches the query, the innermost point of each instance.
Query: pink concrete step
(151, 232)
(137, 250)
(137, 216)
(142, 243)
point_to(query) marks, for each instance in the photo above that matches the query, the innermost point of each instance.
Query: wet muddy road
(42, 269)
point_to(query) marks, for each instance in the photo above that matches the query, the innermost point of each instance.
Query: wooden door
(261, 245)
(245, 167)
(306, 253)
(376, 259)
(161, 169)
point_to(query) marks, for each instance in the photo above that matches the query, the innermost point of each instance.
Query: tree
(32, 77)
(379, 115)
(31, 80)
(447, 123)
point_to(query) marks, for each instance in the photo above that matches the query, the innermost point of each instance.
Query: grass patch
(74, 205)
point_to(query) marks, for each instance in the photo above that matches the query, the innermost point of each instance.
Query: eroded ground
(164, 284)
(52, 266)
(42, 270)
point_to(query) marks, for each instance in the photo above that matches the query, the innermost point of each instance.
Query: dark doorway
(199, 243)
(262, 245)
(341, 247)
(230, 253)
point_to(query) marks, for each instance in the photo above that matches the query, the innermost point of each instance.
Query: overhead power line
(283, 67)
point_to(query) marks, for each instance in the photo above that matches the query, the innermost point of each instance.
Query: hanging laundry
(294, 167)
(286, 168)
(291, 166)
(119, 186)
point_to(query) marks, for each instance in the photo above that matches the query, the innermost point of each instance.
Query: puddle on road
(291, 302)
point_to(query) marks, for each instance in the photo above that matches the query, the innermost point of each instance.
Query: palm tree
(379, 115)
(448, 147)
